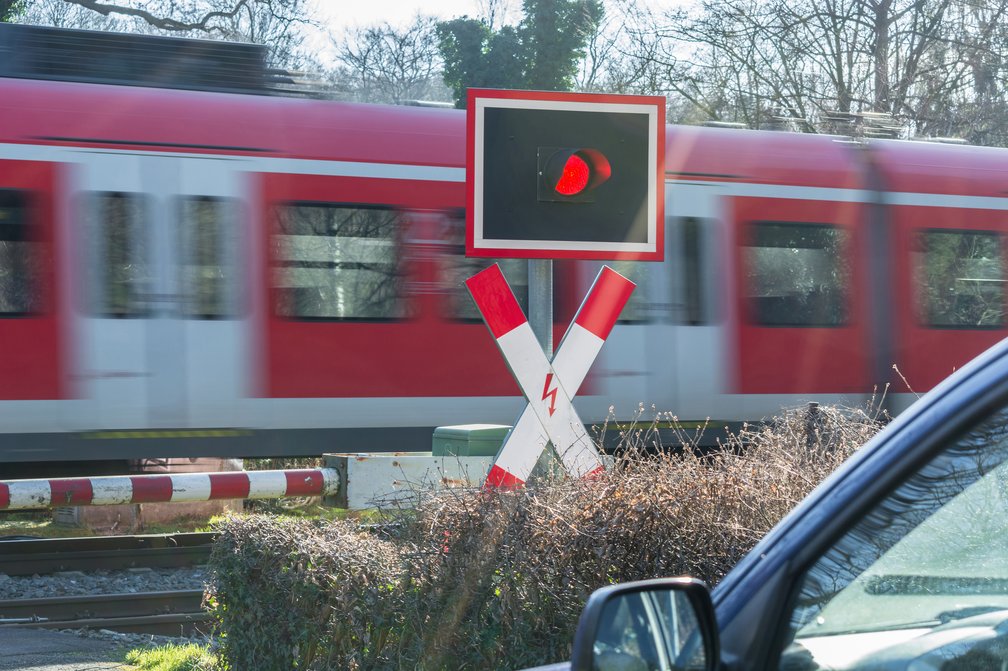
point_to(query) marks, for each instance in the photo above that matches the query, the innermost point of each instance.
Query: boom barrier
(166, 488)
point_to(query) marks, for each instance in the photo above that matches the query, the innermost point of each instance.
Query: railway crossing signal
(564, 175)
(549, 386)
(558, 175)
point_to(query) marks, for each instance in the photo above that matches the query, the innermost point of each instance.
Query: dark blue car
(898, 561)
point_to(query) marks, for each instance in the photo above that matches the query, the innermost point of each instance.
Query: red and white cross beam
(115, 490)
(549, 387)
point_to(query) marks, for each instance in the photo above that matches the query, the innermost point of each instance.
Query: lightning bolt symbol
(550, 394)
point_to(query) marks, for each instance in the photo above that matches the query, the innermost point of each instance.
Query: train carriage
(196, 273)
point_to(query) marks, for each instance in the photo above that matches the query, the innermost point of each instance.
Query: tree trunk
(881, 55)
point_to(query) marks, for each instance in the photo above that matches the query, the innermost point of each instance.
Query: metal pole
(540, 292)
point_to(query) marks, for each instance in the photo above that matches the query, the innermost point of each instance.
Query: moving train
(199, 268)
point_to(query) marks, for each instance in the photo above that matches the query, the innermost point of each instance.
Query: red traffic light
(569, 174)
(574, 176)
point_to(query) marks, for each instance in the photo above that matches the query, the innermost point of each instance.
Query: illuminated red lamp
(569, 174)
(574, 176)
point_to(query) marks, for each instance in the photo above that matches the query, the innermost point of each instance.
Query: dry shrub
(482, 580)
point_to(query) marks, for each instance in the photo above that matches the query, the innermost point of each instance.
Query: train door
(158, 262)
(211, 305)
(691, 359)
(114, 261)
(661, 358)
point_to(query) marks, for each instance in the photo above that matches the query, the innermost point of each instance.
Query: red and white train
(192, 273)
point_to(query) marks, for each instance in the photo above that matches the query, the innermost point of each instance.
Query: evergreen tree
(10, 9)
(542, 52)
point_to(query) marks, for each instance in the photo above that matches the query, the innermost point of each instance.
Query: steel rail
(177, 613)
(51, 555)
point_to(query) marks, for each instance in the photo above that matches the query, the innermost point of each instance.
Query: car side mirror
(650, 625)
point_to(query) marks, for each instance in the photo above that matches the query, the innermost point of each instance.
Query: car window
(921, 582)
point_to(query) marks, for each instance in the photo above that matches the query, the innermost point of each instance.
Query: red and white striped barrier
(183, 487)
(549, 416)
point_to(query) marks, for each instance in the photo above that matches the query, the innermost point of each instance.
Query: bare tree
(967, 100)
(609, 63)
(932, 64)
(275, 23)
(191, 16)
(382, 63)
(61, 14)
(496, 13)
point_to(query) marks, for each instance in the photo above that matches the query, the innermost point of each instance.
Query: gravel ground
(133, 641)
(73, 583)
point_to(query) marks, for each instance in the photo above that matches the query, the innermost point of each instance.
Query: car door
(900, 560)
(922, 579)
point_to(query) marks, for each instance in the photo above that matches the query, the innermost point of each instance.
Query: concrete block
(395, 479)
(468, 440)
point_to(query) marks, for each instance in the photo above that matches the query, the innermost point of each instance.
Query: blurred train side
(167, 263)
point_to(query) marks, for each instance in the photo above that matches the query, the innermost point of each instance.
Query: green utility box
(468, 440)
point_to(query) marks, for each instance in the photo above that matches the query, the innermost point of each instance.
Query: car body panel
(751, 599)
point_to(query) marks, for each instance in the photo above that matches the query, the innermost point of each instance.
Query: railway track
(165, 613)
(168, 613)
(41, 556)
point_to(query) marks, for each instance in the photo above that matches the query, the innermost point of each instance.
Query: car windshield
(929, 563)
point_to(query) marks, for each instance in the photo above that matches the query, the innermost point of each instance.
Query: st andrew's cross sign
(548, 386)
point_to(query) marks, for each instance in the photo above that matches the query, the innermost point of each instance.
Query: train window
(17, 290)
(122, 275)
(796, 274)
(692, 272)
(961, 278)
(457, 268)
(338, 262)
(207, 254)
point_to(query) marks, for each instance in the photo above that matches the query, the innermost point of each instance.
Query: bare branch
(161, 22)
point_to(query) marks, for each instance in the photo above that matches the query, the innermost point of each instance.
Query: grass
(39, 524)
(188, 657)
